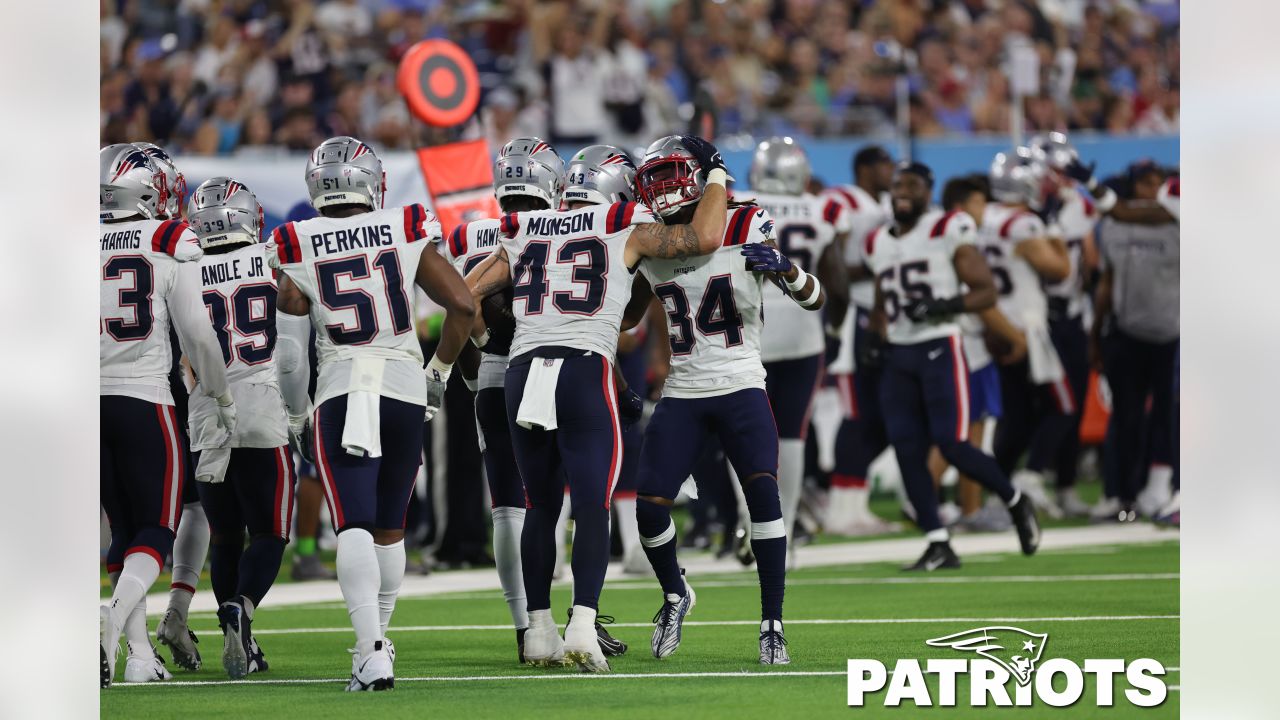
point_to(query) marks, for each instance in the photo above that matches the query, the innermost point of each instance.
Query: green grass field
(456, 653)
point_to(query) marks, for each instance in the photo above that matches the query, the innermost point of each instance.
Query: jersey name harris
(342, 240)
(122, 240)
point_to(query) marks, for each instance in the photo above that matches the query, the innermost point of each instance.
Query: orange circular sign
(439, 82)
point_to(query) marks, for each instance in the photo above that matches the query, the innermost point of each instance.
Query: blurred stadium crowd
(268, 76)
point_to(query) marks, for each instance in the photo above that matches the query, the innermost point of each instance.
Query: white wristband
(483, 340)
(797, 284)
(224, 399)
(717, 177)
(1107, 202)
(813, 295)
(439, 370)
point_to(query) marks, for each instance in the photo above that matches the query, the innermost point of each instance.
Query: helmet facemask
(667, 184)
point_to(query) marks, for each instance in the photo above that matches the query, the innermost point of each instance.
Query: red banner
(460, 179)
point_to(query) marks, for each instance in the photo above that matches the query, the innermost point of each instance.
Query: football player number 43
(590, 260)
(717, 314)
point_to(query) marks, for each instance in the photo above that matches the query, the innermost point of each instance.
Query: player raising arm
(572, 280)
(352, 270)
(149, 284)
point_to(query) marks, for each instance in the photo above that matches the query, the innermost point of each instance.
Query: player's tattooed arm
(445, 288)
(289, 298)
(702, 236)
(491, 275)
(973, 271)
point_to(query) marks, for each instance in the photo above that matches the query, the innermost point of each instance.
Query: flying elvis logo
(1000, 653)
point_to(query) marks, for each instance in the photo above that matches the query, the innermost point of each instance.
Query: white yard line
(873, 551)
(567, 675)
(396, 630)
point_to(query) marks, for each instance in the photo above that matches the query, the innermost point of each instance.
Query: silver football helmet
(779, 167)
(130, 185)
(600, 175)
(1058, 150)
(1021, 176)
(529, 166)
(174, 181)
(669, 178)
(345, 171)
(224, 212)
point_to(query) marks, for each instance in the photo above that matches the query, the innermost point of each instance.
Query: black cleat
(1023, 513)
(937, 555)
(609, 645)
(520, 641)
(234, 622)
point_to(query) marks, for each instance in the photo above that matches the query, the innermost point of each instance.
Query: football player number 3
(717, 314)
(387, 263)
(590, 260)
(251, 311)
(136, 298)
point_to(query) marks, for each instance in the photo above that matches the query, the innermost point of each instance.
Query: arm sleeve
(293, 334)
(195, 332)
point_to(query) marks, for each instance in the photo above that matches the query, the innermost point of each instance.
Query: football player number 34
(717, 314)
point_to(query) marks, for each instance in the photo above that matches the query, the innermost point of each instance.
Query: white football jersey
(1020, 289)
(359, 274)
(570, 284)
(150, 283)
(1075, 222)
(804, 227)
(467, 245)
(714, 305)
(916, 265)
(865, 213)
(239, 291)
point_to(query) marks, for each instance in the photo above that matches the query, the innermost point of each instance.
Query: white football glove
(300, 436)
(226, 412)
(437, 380)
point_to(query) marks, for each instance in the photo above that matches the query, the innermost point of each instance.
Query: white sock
(508, 522)
(790, 479)
(939, 535)
(359, 578)
(628, 529)
(139, 574)
(190, 546)
(391, 572)
(135, 632)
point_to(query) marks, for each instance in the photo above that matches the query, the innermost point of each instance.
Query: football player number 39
(354, 269)
(717, 314)
(251, 311)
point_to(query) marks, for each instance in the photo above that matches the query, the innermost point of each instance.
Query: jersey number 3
(137, 297)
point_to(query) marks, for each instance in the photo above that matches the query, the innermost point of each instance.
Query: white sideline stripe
(934, 580)
(499, 678)
(895, 550)
(722, 623)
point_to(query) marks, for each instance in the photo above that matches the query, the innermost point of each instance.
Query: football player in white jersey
(1037, 399)
(150, 283)
(923, 263)
(352, 270)
(811, 231)
(570, 273)
(1075, 221)
(716, 385)
(861, 436)
(191, 543)
(528, 175)
(247, 483)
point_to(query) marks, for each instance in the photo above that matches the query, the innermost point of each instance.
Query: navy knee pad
(652, 519)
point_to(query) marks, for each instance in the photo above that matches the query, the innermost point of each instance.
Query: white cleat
(141, 670)
(373, 672)
(173, 633)
(108, 645)
(1032, 484)
(773, 645)
(1105, 510)
(1071, 504)
(581, 643)
(543, 645)
(668, 623)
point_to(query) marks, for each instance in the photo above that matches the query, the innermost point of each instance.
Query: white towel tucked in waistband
(212, 467)
(538, 406)
(1042, 356)
(362, 432)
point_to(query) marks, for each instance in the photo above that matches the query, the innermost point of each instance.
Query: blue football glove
(764, 258)
(705, 153)
(1080, 172)
(630, 407)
